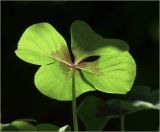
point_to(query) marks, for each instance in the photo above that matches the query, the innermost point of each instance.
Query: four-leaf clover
(113, 72)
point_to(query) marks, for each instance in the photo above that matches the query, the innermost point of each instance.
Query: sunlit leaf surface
(113, 71)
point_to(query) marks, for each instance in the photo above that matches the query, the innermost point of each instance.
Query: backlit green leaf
(114, 71)
(54, 81)
(42, 44)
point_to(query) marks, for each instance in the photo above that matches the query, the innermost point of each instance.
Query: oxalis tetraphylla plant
(63, 77)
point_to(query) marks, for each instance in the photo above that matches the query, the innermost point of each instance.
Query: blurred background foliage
(137, 23)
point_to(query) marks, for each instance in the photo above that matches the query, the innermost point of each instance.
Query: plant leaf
(85, 41)
(114, 71)
(19, 125)
(42, 44)
(144, 104)
(47, 127)
(116, 75)
(54, 81)
(92, 112)
(123, 107)
(118, 107)
(144, 93)
(65, 128)
(5, 127)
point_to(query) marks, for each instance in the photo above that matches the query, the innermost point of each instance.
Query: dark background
(133, 22)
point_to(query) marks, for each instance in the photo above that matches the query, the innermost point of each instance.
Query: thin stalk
(74, 110)
(122, 123)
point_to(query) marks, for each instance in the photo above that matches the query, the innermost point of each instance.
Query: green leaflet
(91, 112)
(42, 44)
(116, 74)
(19, 125)
(55, 81)
(113, 72)
(85, 42)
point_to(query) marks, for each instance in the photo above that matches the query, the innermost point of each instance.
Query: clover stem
(74, 111)
(122, 118)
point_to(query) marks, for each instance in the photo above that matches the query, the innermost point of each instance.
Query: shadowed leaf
(19, 125)
(47, 127)
(91, 111)
(144, 93)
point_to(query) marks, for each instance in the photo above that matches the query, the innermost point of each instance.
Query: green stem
(74, 111)
(122, 123)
